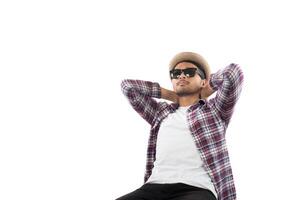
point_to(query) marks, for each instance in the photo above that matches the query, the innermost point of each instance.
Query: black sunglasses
(188, 72)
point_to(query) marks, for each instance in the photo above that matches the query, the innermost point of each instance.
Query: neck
(188, 100)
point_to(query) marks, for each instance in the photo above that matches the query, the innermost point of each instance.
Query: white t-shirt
(177, 157)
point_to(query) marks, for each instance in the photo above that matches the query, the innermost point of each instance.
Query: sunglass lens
(189, 72)
(175, 73)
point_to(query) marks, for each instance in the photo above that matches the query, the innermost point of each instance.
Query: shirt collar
(201, 102)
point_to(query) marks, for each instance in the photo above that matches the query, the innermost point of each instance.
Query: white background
(67, 131)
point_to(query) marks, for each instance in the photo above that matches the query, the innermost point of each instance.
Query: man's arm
(228, 84)
(141, 96)
(169, 95)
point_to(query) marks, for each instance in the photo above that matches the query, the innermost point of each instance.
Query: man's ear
(203, 82)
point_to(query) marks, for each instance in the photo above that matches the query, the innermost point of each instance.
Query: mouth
(182, 83)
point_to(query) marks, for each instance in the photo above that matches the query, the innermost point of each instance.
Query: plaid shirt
(207, 119)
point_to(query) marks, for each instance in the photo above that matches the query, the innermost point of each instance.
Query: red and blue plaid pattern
(208, 121)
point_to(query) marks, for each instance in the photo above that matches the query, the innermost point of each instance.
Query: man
(187, 157)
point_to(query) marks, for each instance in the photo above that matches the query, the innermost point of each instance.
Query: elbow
(123, 83)
(125, 87)
(235, 74)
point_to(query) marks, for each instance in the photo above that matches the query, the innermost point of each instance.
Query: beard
(181, 92)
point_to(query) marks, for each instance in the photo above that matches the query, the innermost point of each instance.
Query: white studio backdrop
(68, 132)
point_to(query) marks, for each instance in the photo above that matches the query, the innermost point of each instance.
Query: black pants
(170, 191)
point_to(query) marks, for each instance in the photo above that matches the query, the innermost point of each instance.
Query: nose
(182, 76)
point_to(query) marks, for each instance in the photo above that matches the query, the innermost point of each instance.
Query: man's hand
(206, 91)
(169, 95)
